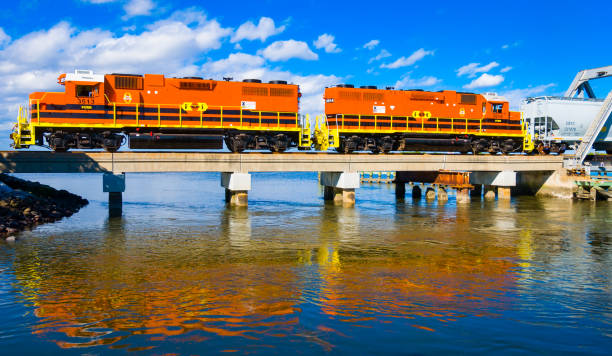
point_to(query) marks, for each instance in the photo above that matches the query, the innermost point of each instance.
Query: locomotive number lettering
(85, 101)
(86, 107)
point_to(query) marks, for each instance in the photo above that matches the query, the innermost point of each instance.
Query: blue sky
(516, 49)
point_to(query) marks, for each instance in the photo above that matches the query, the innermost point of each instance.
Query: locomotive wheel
(346, 146)
(278, 143)
(57, 142)
(236, 144)
(385, 144)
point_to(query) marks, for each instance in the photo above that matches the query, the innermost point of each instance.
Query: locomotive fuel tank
(175, 141)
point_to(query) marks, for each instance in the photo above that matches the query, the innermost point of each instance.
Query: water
(180, 273)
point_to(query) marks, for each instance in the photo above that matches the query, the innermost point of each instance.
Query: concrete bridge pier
(502, 181)
(340, 187)
(489, 192)
(237, 186)
(463, 195)
(442, 194)
(476, 192)
(114, 185)
(400, 190)
(416, 192)
(430, 193)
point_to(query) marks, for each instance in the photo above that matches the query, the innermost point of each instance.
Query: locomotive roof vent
(127, 75)
(368, 87)
(390, 88)
(345, 86)
(277, 82)
(414, 89)
(200, 78)
(85, 76)
(252, 80)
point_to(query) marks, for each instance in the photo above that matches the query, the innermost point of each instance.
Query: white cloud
(4, 38)
(264, 29)
(132, 8)
(285, 50)
(138, 8)
(383, 54)
(473, 68)
(371, 44)
(408, 83)
(508, 45)
(515, 96)
(244, 66)
(485, 80)
(233, 65)
(326, 41)
(505, 69)
(408, 61)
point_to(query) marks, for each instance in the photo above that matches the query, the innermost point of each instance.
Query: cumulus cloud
(515, 96)
(408, 61)
(485, 80)
(383, 54)
(408, 83)
(234, 65)
(474, 68)
(371, 44)
(285, 50)
(132, 8)
(326, 41)
(138, 8)
(244, 66)
(264, 29)
(4, 38)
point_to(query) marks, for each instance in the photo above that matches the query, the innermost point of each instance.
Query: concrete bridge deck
(128, 162)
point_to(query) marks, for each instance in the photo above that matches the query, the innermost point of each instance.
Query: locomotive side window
(86, 91)
(497, 108)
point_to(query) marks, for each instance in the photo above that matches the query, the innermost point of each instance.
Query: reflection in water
(317, 277)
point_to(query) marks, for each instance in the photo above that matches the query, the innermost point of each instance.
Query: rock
(11, 238)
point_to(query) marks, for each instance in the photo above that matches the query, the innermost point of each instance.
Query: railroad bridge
(339, 173)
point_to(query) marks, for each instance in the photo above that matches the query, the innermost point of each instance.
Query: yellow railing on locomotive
(462, 123)
(183, 111)
(457, 125)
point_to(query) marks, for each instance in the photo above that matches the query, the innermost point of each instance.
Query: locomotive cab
(83, 87)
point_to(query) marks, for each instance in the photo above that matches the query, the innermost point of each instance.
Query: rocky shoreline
(24, 204)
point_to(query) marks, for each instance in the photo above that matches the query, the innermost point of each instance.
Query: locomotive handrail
(137, 117)
(455, 123)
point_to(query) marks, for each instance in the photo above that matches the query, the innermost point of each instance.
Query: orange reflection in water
(227, 300)
(431, 283)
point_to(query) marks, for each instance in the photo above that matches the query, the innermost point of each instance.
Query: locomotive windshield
(86, 90)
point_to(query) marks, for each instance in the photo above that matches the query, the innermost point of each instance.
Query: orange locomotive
(99, 111)
(368, 118)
